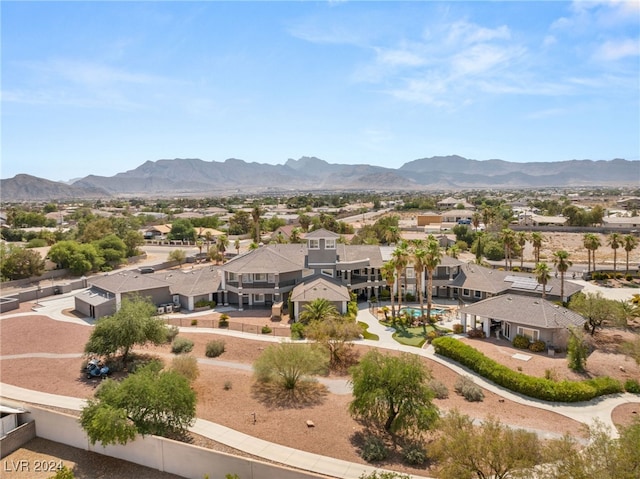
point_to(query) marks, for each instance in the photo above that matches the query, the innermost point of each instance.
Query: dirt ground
(229, 396)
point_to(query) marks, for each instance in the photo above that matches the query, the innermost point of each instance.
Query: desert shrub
(383, 475)
(540, 388)
(440, 390)
(374, 449)
(187, 366)
(181, 345)
(537, 346)
(475, 333)
(521, 342)
(172, 332)
(457, 328)
(227, 385)
(214, 348)
(632, 386)
(468, 389)
(297, 331)
(414, 454)
(629, 277)
(224, 320)
(266, 329)
(194, 322)
(431, 335)
(63, 473)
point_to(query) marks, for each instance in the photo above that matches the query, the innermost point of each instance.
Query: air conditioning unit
(168, 308)
(160, 309)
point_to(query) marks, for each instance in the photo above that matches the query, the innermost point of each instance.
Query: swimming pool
(415, 312)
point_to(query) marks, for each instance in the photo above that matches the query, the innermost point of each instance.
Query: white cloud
(617, 49)
(483, 58)
(399, 57)
(463, 32)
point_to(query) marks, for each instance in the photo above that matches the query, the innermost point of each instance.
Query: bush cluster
(457, 328)
(214, 348)
(172, 332)
(521, 342)
(204, 303)
(466, 388)
(374, 449)
(440, 390)
(632, 386)
(414, 454)
(297, 331)
(537, 346)
(475, 333)
(266, 329)
(181, 345)
(540, 388)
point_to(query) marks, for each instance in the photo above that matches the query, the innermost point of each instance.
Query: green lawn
(411, 336)
(366, 334)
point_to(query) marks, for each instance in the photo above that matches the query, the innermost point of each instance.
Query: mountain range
(191, 177)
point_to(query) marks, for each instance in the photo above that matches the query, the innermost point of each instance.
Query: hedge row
(540, 388)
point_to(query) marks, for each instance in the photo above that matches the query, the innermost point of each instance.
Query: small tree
(134, 323)
(335, 335)
(287, 364)
(490, 450)
(318, 310)
(576, 350)
(594, 307)
(151, 401)
(177, 255)
(392, 393)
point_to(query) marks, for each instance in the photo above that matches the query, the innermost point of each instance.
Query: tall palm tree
(543, 274)
(536, 241)
(388, 271)
(592, 242)
(615, 241)
(392, 235)
(199, 244)
(208, 236)
(318, 310)
(400, 257)
(476, 219)
(256, 213)
(295, 235)
(487, 214)
(522, 238)
(630, 242)
(223, 242)
(586, 242)
(507, 236)
(418, 256)
(431, 261)
(236, 245)
(562, 264)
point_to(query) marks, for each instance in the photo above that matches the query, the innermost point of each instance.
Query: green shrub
(63, 473)
(385, 295)
(431, 335)
(373, 449)
(468, 389)
(194, 322)
(540, 388)
(457, 328)
(521, 342)
(440, 390)
(214, 348)
(224, 320)
(297, 331)
(266, 329)
(414, 454)
(475, 333)
(187, 366)
(410, 297)
(629, 277)
(537, 346)
(632, 386)
(202, 303)
(172, 332)
(181, 345)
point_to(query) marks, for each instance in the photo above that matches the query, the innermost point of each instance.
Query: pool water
(415, 312)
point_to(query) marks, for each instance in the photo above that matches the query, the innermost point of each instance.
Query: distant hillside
(31, 188)
(197, 177)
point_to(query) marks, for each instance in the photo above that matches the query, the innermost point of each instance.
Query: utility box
(276, 311)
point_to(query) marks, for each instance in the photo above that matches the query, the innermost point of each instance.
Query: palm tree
(223, 242)
(615, 241)
(453, 251)
(392, 235)
(586, 241)
(431, 261)
(507, 236)
(318, 310)
(536, 241)
(630, 242)
(476, 219)
(295, 235)
(522, 238)
(208, 236)
(562, 264)
(236, 245)
(400, 257)
(543, 274)
(418, 256)
(199, 244)
(592, 243)
(388, 271)
(480, 235)
(487, 214)
(256, 213)
(253, 245)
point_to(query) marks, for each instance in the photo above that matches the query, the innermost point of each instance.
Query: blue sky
(102, 87)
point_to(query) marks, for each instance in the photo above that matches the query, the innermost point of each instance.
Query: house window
(247, 278)
(258, 298)
(532, 334)
(327, 272)
(314, 243)
(260, 277)
(465, 292)
(411, 273)
(477, 294)
(232, 277)
(330, 243)
(271, 278)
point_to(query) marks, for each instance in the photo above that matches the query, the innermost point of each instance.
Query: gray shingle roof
(525, 310)
(127, 282)
(320, 288)
(269, 259)
(321, 233)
